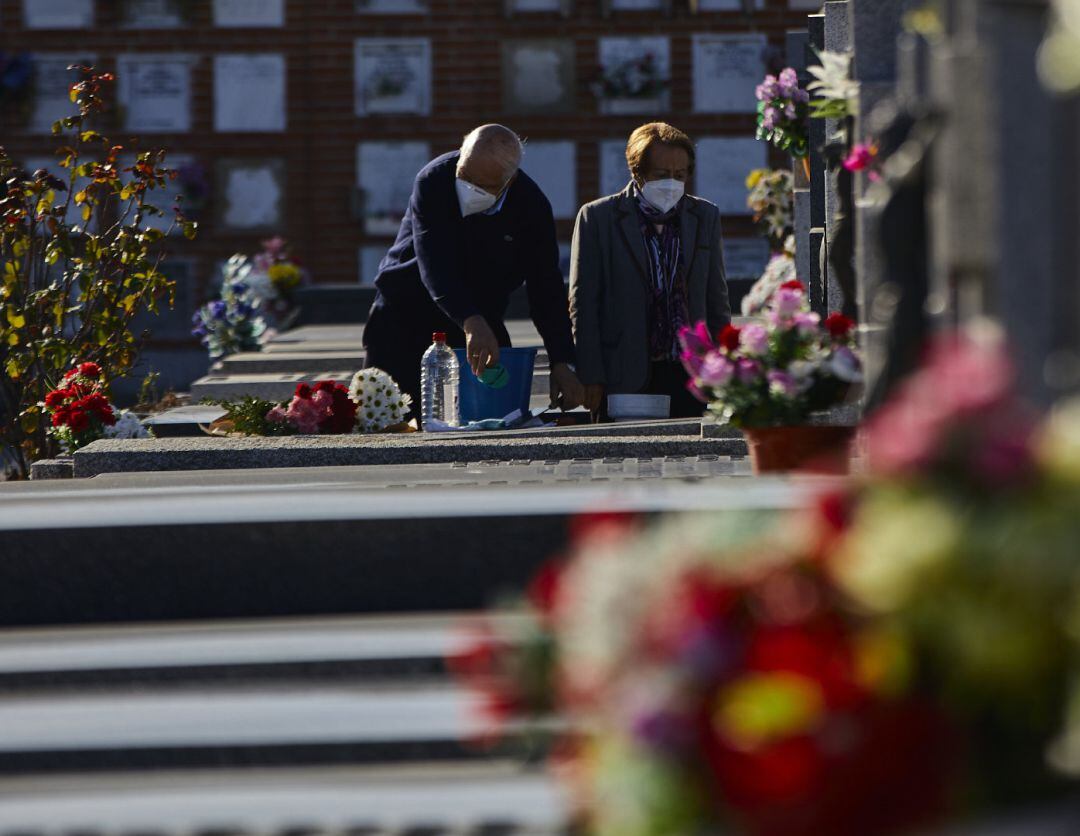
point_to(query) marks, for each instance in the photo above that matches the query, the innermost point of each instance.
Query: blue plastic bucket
(478, 401)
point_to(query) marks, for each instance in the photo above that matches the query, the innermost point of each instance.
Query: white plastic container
(638, 407)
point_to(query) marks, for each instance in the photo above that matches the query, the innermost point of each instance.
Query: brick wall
(319, 146)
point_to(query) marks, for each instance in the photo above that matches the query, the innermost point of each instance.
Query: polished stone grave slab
(212, 453)
(314, 541)
(476, 798)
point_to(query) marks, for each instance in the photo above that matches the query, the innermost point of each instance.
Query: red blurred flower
(793, 284)
(303, 390)
(820, 652)
(729, 337)
(56, 398)
(838, 325)
(543, 591)
(92, 370)
(78, 420)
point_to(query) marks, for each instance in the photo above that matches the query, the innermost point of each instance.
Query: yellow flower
(1059, 440)
(284, 276)
(754, 177)
(761, 707)
(897, 542)
(882, 661)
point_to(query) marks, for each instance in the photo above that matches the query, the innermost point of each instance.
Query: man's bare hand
(565, 383)
(594, 396)
(481, 346)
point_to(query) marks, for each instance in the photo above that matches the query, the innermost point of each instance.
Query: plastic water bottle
(439, 383)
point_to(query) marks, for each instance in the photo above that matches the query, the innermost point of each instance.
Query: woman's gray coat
(609, 286)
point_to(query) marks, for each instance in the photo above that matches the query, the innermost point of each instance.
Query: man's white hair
(496, 142)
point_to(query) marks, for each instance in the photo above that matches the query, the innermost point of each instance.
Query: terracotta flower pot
(809, 449)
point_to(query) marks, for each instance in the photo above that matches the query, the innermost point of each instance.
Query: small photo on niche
(538, 76)
(251, 194)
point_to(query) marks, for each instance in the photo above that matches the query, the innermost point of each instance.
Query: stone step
(288, 362)
(311, 541)
(358, 648)
(477, 797)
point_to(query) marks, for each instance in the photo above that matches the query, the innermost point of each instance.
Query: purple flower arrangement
(782, 112)
(776, 372)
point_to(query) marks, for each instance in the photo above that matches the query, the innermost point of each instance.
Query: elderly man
(475, 229)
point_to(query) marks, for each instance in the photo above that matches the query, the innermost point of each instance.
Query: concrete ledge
(52, 469)
(209, 453)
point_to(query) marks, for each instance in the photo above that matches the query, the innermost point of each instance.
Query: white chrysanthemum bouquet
(379, 401)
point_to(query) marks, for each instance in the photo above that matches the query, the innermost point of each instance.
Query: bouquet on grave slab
(822, 670)
(372, 403)
(775, 372)
(276, 274)
(80, 411)
(234, 322)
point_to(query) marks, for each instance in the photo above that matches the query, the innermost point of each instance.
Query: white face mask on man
(472, 199)
(663, 194)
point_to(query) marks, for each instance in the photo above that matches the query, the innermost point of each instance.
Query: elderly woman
(644, 263)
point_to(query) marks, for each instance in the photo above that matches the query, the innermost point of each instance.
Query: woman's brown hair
(643, 138)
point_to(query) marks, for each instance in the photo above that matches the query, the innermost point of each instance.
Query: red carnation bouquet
(79, 407)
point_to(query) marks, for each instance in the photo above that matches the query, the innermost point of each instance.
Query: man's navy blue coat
(444, 268)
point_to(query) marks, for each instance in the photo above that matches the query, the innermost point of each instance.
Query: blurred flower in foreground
(900, 651)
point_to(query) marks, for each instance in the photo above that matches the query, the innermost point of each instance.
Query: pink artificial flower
(747, 371)
(276, 415)
(786, 302)
(862, 156)
(716, 370)
(275, 247)
(783, 384)
(323, 400)
(304, 415)
(696, 340)
(769, 118)
(806, 322)
(754, 339)
(692, 362)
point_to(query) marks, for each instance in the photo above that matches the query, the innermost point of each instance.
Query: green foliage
(78, 263)
(248, 416)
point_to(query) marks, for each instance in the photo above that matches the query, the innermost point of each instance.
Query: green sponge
(495, 377)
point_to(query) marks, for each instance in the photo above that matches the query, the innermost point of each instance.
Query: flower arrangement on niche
(771, 197)
(80, 412)
(633, 78)
(776, 372)
(372, 403)
(836, 93)
(823, 670)
(782, 112)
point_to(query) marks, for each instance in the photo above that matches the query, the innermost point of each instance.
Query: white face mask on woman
(663, 194)
(472, 199)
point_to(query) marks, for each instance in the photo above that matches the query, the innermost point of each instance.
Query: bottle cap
(438, 337)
